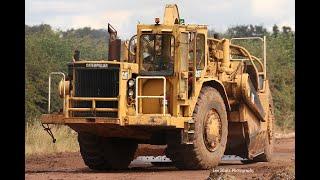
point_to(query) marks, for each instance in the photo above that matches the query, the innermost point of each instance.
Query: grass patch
(38, 140)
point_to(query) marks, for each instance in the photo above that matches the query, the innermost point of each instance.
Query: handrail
(247, 59)
(259, 62)
(264, 52)
(245, 38)
(93, 106)
(245, 51)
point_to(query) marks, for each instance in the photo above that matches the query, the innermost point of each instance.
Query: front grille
(96, 82)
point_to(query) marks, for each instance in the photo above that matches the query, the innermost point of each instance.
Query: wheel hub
(212, 130)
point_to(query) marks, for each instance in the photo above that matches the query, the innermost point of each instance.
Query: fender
(219, 86)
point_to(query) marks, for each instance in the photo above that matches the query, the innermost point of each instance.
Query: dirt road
(71, 166)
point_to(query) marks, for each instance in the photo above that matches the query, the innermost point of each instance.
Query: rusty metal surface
(113, 130)
(236, 143)
(114, 52)
(61, 119)
(256, 144)
(52, 118)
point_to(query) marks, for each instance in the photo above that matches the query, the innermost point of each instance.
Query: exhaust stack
(114, 44)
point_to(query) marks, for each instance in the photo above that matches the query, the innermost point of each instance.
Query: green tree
(275, 30)
(48, 50)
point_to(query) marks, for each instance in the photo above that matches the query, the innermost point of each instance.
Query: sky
(124, 15)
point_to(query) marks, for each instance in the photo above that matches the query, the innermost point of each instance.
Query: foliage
(246, 31)
(46, 51)
(281, 72)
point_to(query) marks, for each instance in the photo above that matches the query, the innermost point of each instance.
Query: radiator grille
(96, 82)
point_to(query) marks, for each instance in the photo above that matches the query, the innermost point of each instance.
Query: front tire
(100, 153)
(210, 134)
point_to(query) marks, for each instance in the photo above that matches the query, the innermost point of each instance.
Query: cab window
(157, 54)
(200, 52)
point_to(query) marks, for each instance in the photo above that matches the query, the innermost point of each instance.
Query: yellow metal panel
(153, 87)
(171, 14)
(156, 120)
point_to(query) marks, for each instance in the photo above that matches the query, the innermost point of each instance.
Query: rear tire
(210, 134)
(100, 153)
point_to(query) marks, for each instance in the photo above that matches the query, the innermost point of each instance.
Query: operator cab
(171, 58)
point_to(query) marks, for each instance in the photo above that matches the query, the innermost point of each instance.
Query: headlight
(130, 92)
(67, 88)
(131, 83)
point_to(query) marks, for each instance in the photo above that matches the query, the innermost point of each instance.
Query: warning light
(181, 21)
(157, 20)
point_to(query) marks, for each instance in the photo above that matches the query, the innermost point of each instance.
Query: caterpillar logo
(97, 65)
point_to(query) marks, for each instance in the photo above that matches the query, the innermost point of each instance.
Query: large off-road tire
(101, 153)
(210, 134)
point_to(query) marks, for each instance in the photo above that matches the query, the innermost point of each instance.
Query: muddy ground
(71, 166)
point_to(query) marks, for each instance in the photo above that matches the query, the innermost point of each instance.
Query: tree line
(48, 50)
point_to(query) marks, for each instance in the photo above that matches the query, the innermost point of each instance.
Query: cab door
(184, 65)
(192, 62)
